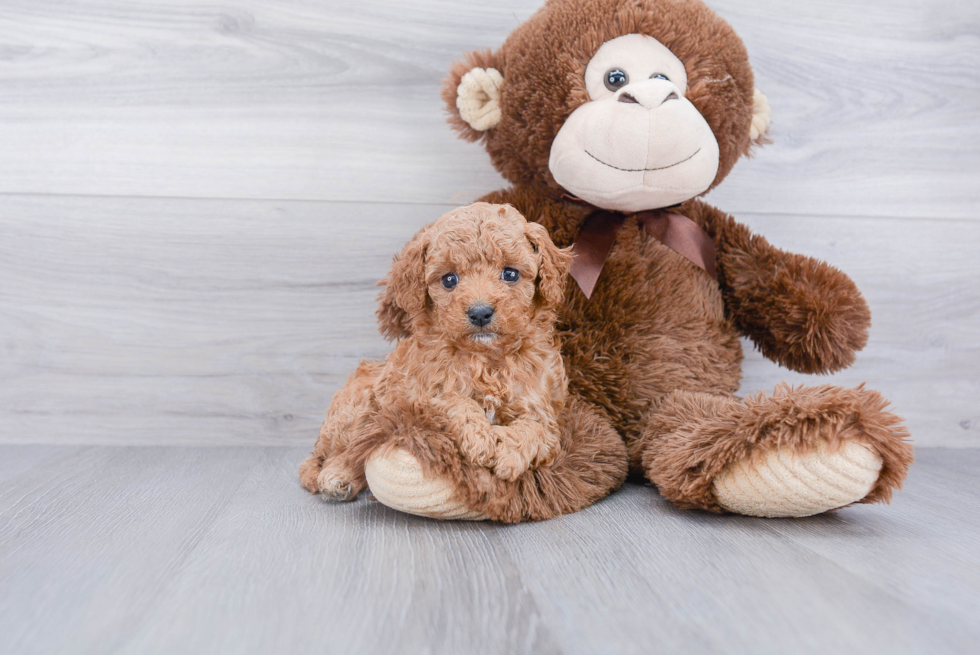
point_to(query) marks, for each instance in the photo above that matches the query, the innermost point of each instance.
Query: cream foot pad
(785, 483)
(396, 480)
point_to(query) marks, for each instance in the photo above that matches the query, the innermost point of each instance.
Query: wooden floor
(218, 550)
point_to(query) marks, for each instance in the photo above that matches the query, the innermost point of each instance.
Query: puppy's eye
(449, 280)
(616, 79)
(659, 76)
(510, 275)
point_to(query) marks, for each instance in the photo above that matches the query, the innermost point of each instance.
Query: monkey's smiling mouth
(640, 170)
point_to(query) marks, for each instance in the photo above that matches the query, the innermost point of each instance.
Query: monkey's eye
(510, 275)
(449, 280)
(659, 76)
(616, 79)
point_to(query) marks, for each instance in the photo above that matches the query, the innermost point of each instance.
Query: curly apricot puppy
(481, 364)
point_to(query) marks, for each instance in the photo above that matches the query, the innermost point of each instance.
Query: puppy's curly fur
(497, 391)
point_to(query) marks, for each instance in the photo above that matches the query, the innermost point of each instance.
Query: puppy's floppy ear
(405, 291)
(553, 267)
(472, 94)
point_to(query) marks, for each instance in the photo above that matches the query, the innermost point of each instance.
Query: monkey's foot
(786, 483)
(799, 452)
(396, 479)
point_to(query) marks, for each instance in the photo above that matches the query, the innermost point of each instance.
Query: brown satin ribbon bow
(598, 234)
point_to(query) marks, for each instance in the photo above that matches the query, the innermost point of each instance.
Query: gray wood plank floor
(204, 550)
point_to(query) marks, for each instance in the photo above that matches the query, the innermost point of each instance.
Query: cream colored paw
(785, 483)
(396, 480)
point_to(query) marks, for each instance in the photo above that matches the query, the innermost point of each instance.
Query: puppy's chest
(495, 396)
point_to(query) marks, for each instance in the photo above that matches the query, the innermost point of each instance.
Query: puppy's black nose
(480, 314)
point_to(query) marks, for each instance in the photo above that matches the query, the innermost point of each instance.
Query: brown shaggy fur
(656, 349)
(466, 400)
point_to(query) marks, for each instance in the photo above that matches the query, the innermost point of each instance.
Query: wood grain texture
(875, 103)
(162, 550)
(168, 321)
(97, 532)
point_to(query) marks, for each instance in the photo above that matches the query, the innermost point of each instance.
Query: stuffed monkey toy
(610, 118)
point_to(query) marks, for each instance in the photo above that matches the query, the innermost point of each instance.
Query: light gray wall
(196, 199)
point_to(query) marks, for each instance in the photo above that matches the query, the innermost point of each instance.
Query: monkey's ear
(472, 94)
(405, 291)
(553, 269)
(761, 116)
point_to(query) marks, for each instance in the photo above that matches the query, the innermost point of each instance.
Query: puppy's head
(481, 276)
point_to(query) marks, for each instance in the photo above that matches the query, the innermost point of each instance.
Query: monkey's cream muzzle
(645, 153)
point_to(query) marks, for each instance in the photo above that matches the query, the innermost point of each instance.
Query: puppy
(478, 359)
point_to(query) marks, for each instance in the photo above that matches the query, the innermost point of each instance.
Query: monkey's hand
(800, 312)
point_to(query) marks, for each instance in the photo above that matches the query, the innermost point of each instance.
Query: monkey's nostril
(480, 315)
(625, 97)
(672, 96)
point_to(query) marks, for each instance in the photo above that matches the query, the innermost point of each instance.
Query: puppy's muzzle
(480, 314)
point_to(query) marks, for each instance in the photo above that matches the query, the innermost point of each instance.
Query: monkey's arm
(800, 312)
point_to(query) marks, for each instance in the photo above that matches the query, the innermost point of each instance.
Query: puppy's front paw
(547, 451)
(513, 455)
(511, 464)
(479, 446)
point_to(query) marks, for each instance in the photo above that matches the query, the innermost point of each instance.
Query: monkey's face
(627, 104)
(638, 143)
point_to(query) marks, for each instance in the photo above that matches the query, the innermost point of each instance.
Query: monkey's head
(627, 104)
